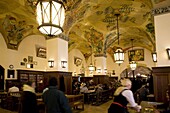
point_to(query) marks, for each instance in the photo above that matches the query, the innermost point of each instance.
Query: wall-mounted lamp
(168, 52)
(51, 63)
(99, 70)
(154, 57)
(63, 64)
(105, 70)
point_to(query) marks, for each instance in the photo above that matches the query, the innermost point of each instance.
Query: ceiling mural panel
(90, 24)
(99, 25)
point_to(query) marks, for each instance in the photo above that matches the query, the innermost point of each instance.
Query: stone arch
(140, 71)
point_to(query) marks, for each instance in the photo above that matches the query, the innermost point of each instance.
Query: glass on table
(148, 110)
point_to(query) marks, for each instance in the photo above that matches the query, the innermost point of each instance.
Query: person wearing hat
(83, 88)
(122, 96)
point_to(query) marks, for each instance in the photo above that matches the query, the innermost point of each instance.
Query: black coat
(56, 101)
(28, 103)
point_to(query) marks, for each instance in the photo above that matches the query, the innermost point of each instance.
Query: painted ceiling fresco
(90, 24)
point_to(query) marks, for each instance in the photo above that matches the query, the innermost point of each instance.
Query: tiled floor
(88, 109)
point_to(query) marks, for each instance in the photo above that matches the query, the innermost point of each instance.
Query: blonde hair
(126, 82)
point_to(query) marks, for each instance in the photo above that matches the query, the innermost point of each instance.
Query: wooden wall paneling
(61, 77)
(161, 79)
(100, 79)
(2, 73)
(30, 75)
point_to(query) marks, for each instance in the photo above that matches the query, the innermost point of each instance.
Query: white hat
(126, 82)
(83, 84)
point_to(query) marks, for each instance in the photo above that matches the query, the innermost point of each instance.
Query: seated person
(75, 87)
(83, 88)
(99, 88)
(13, 89)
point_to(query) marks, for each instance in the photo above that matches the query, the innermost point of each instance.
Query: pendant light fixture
(133, 64)
(118, 54)
(50, 16)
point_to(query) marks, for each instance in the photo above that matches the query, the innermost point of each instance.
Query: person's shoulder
(127, 91)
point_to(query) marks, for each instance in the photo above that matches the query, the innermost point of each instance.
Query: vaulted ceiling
(88, 23)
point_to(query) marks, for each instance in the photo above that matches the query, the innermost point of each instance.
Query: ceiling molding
(160, 11)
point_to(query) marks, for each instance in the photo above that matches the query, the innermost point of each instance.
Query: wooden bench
(76, 100)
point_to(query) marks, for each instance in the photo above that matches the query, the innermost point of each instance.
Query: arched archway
(140, 71)
(140, 76)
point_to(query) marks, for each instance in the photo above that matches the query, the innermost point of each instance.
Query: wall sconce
(105, 70)
(51, 63)
(168, 52)
(99, 70)
(154, 57)
(63, 64)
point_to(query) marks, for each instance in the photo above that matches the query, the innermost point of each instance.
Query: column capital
(61, 36)
(159, 11)
(100, 55)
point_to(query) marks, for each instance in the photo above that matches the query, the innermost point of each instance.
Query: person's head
(53, 81)
(31, 83)
(126, 83)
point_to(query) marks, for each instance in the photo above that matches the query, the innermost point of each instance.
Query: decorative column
(100, 63)
(57, 51)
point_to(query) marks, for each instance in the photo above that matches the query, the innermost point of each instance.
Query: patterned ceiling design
(90, 24)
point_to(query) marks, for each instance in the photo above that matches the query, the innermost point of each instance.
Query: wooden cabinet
(64, 80)
(11, 83)
(161, 79)
(41, 78)
(100, 79)
(27, 75)
(2, 73)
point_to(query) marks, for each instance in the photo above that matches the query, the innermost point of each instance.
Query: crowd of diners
(90, 86)
(122, 88)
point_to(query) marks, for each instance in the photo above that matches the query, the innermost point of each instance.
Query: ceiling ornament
(14, 31)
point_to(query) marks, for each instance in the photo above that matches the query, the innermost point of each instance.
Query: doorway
(140, 76)
(2, 70)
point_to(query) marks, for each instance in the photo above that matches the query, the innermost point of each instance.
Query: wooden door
(1, 78)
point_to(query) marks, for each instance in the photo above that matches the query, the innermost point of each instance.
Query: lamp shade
(168, 52)
(63, 64)
(119, 56)
(133, 65)
(91, 67)
(50, 17)
(51, 63)
(154, 56)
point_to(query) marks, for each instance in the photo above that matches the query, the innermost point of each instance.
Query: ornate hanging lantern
(50, 16)
(118, 54)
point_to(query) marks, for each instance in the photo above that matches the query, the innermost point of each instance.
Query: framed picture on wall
(136, 55)
(30, 59)
(77, 61)
(41, 51)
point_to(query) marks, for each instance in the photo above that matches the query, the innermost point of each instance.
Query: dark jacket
(56, 101)
(28, 103)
